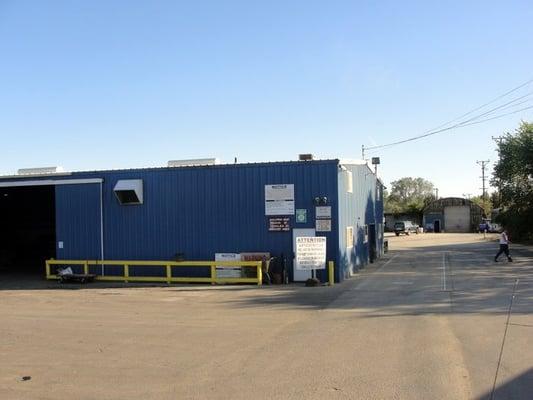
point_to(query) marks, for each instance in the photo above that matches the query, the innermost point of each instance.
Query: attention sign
(311, 252)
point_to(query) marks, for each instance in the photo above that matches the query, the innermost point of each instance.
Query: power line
(461, 125)
(517, 104)
(496, 117)
(500, 107)
(467, 122)
(484, 105)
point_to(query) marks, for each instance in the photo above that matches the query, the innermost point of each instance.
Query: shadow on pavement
(409, 285)
(520, 387)
(412, 284)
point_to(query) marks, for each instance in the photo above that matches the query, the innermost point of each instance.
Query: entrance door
(300, 275)
(457, 219)
(436, 226)
(372, 250)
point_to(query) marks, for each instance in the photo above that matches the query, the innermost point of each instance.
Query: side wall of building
(194, 211)
(358, 212)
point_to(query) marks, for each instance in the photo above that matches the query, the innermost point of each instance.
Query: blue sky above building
(92, 85)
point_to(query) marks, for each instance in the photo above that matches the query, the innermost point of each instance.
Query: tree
(513, 175)
(484, 203)
(409, 195)
(495, 199)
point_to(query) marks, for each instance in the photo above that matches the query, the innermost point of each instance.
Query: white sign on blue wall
(279, 199)
(311, 252)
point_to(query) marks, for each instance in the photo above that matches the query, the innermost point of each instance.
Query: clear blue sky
(112, 84)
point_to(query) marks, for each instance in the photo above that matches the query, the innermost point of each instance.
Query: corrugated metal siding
(431, 217)
(78, 221)
(358, 209)
(379, 217)
(195, 211)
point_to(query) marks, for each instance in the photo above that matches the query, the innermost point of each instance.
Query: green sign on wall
(301, 215)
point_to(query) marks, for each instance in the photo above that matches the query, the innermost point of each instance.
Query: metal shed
(192, 212)
(452, 214)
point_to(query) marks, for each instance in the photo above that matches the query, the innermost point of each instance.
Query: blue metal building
(195, 211)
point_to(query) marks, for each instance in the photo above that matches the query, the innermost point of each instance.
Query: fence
(168, 265)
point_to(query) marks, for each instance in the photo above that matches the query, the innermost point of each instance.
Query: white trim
(50, 182)
(19, 176)
(347, 161)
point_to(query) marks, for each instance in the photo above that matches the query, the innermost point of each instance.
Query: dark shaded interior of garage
(28, 231)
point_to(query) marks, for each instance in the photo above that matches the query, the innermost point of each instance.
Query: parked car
(406, 227)
(495, 228)
(484, 226)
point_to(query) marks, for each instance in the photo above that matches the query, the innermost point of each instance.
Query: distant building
(452, 214)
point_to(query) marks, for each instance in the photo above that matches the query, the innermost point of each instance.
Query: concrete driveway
(435, 319)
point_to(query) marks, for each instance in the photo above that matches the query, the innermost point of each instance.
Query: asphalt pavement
(435, 318)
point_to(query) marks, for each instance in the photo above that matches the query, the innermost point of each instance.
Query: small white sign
(349, 236)
(311, 252)
(60, 244)
(226, 271)
(323, 212)
(323, 225)
(279, 199)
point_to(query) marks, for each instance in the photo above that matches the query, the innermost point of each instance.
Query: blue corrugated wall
(357, 209)
(197, 211)
(200, 211)
(78, 221)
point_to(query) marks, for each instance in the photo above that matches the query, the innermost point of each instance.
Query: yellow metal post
(47, 269)
(86, 267)
(169, 274)
(259, 273)
(213, 274)
(331, 273)
(126, 272)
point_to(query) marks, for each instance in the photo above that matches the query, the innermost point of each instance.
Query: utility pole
(363, 151)
(483, 164)
(499, 140)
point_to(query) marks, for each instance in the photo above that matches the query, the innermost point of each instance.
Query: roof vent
(129, 191)
(40, 171)
(305, 157)
(193, 162)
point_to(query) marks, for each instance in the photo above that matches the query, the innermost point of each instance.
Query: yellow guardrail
(169, 265)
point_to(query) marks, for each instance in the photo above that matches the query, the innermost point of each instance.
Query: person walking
(504, 246)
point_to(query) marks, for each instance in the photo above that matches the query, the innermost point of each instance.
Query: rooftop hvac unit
(129, 191)
(193, 162)
(305, 157)
(39, 171)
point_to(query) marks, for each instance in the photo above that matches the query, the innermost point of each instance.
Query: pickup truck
(406, 227)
